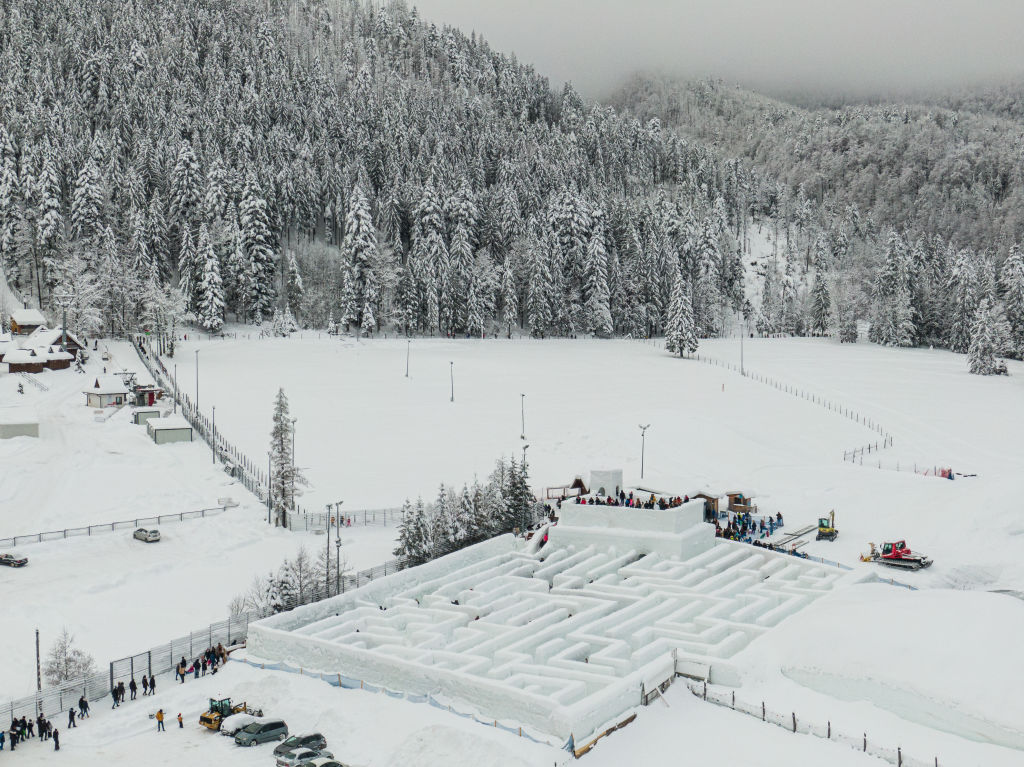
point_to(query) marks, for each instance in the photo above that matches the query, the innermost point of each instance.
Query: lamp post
(643, 445)
(337, 547)
(524, 454)
(408, 347)
(63, 300)
(522, 414)
(197, 382)
(743, 332)
(214, 441)
(327, 570)
(175, 388)
(451, 368)
(292, 501)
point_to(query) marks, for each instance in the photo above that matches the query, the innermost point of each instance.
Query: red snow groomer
(897, 554)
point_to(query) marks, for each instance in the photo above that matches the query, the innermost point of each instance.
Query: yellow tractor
(827, 527)
(221, 709)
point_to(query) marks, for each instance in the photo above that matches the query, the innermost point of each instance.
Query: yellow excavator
(827, 527)
(220, 710)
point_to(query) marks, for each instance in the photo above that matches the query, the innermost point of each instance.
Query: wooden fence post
(762, 711)
(794, 722)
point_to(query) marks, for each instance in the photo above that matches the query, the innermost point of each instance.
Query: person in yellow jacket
(181, 725)
(160, 721)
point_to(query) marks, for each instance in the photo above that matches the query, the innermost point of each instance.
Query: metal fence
(798, 724)
(106, 527)
(317, 521)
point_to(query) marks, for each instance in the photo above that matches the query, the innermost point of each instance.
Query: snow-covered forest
(341, 165)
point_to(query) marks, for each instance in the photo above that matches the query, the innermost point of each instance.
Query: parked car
(230, 725)
(302, 757)
(325, 761)
(262, 732)
(149, 536)
(13, 560)
(314, 741)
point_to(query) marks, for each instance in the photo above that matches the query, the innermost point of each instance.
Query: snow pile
(946, 659)
(564, 640)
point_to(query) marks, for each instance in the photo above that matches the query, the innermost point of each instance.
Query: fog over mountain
(849, 47)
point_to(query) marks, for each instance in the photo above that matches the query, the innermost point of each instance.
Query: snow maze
(564, 638)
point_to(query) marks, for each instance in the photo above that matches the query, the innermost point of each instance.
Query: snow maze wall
(562, 639)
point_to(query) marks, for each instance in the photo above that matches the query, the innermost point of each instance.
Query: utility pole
(327, 570)
(337, 547)
(643, 445)
(451, 367)
(175, 388)
(39, 674)
(292, 503)
(522, 414)
(524, 454)
(408, 347)
(213, 442)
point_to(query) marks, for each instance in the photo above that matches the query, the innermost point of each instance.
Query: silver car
(149, 536)
(302, 757)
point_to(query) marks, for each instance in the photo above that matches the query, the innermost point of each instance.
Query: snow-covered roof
(28, 317)
(22, 356)
(17, 415)
(44, 336)
(169, 422)
(107, 385)
(55, 353)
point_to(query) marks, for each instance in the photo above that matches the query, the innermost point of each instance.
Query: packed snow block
(635, 520)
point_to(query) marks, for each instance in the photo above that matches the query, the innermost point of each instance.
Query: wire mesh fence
(791, 721)
(106, 527)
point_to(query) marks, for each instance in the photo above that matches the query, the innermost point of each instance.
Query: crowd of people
(24, 728)
(208, 661)
(621, 498)
(742, 526)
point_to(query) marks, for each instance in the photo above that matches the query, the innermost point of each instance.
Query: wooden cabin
(741, 503)
(25, 321)
(24, 361)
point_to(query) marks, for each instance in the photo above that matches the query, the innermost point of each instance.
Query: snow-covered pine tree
(987, 336)
(406, 545)
(539, 287)
(598, 311)
(294, 289)
(215, 198)
(288, 323)
(211, 302)
(358, 249)
(964, 301)
(258, 240)
(87, 202)
(821, 305)
(368, 322)
(1011, 280)
(186, 186)
(520, 497)
(49, 222)
(680, 333)
(892, 319)
(190, 271)
(509, 297)
(286, 478)
(332, 326)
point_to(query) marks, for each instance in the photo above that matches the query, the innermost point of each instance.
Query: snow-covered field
(369, 435)
(118, 595)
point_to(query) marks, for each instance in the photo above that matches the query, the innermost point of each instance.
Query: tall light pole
(337, 547)
(524, 454)
(63, 300)
(213, 442)
(408, 347)
(522, 414)
(197, 382)
(451, 368)
(292, 502)
(743, 332)
(175, 388)
(327, 570)
(643, 445)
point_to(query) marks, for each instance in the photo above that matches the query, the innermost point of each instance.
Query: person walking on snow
(114, 695)
(71, 718)
(181, 724)
(83, 708)
(152, 685)
(133, 688)
(160, 721)
(145, 686)
(56, 739)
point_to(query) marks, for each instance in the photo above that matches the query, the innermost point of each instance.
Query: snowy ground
(118, 595)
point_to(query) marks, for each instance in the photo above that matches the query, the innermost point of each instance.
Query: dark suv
(311, 740)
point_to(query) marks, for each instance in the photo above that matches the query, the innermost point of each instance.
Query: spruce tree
(286, 478)
(294, 289)
(598, 312)
(986, 340)
(358, 249)
(509, 298)
(190, 271)
(964, 298)
(821, 305)
(211, 309)
(87, 202)
(680, 334)
(1011, 279)
(186, 186)
(259, 247)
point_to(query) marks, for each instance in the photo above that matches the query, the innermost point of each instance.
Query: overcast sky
(858, 47)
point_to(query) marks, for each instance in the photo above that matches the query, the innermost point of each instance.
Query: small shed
(44, 336)
(574, 488)
(24, 321)
(57, 359)
(18, 422)
(106, 391)
(606, 482)
(710, 505)
(173, 428)
(144, 415)
(24, 361)
(146, 394)
(740, 502)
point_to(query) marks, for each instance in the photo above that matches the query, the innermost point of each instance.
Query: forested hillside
(233, 157)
